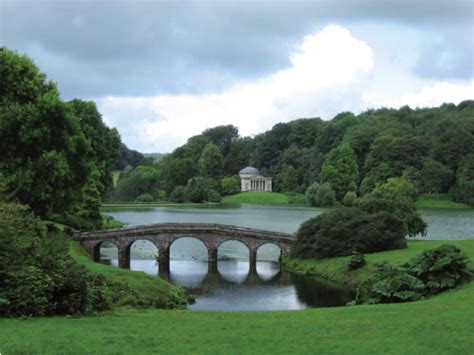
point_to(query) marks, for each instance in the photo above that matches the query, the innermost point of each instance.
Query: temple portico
(251, 180)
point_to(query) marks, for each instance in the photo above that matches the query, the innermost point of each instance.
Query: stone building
(251, 180)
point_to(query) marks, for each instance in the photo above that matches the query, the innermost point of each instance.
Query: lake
(233, 286)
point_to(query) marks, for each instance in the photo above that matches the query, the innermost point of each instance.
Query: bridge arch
(182, 238)
(97, 250)
(267, 249)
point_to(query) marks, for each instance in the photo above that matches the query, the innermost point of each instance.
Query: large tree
(340, 170)
(211, 161)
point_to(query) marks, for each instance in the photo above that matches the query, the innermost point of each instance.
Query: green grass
(257, 197)
(147, 287)
(335, 269)
(134, 205)
(439, 325)
(439, 201)
(108, 222)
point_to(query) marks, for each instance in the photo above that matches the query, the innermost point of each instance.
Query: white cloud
(432, 95)
(326, 61)
(331, 71)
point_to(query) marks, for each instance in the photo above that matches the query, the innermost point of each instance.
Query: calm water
(233, 286)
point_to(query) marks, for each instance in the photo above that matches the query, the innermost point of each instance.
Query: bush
(178, 194)
(37, 276)
(341, 232)
(356, 261)
(389, 285)
(230, 185)
(296, 199)
(197, 189)
(439, 269)
(144, 198)
(349, 199)
(214, 196)
(320, 195)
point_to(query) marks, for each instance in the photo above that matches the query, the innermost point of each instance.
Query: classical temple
(251, 180)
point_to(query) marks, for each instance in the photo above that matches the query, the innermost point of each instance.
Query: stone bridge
(164, 234)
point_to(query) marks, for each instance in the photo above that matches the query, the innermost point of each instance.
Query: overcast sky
(161, 72)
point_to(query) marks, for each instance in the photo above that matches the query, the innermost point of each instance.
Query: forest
(345, 157)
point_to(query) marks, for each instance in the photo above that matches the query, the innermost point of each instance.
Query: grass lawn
(257, 197)
(147, 287)
(109, 222)
(439, 201)
(439, 325)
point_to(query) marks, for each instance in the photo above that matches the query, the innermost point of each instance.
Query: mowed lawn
(441, 325)
(256, 197)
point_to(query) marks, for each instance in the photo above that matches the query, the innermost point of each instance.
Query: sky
(163, 71)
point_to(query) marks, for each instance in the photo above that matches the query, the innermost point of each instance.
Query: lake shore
(390, 328)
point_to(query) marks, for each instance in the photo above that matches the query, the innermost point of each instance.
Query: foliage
(197, 189)
(214, 196)
(439, 269)
(435, 177)
(343, 231)
(340, 170)
(320, 195)
(144, 198)
(178, 194)
(37, 277)
(55, 157)
(289, 180)
(211, 161)
(230, 185)
(396, 196)
(257, 197)
(141, 180)
(464, 189)
(356, 261)
(349, 199)
(389, 285)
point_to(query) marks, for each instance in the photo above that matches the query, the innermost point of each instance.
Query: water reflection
(235, 287)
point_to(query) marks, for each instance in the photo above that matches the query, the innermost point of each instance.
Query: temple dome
(249, 170)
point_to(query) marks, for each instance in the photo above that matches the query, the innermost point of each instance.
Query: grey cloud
(97, 48)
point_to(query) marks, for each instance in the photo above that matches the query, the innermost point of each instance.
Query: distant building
(251, 180)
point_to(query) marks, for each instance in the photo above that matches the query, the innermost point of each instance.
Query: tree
(230, 185)
(141, 180)
(464, 189)
(347, 230)
(320, 195)
(340, 170)
(197, 189)
(289, 180)
(43, 151)
(174, 172)
(396, 196)
(434, 176)
(211, 161)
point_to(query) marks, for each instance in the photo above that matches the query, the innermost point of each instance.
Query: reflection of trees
(320, 294)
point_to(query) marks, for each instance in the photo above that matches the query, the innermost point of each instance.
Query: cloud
(428, 96)
(323, 65)
(146, 48)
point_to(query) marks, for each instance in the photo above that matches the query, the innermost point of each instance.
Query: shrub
(349, 199)
(296, 199)
(389, 285)
(144, 198)
(356, 261)
(439, 269)
(178, 194)
(320, 195)
(37, 276)
(230, 185)
(214, 196)
(197, 189)
(340, 232)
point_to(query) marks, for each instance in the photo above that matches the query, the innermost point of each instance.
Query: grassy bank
(335, 269)
(141, 288)
(439, 325)
(439, 201)
(257, 197)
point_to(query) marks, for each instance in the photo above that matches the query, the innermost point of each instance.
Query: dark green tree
(211, 161)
